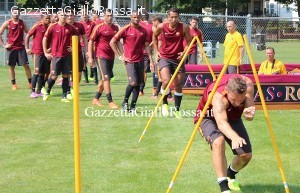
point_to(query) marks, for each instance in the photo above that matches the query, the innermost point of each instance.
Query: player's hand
(249, 113)
(7, 46)
(124, 59)
(49, 50)
(151, 66)
(180, 54)
(48, 56)
(69, 48)
(91, 61)
(237, 142)
(87, 54)
(157, 57)
(29, 52)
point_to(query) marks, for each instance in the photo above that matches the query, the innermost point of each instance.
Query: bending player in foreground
(222, 122)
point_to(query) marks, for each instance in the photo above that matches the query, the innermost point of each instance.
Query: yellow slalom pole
(206, 59)
(167, 88)
(202, 114)
(262, 99)
(76, 113)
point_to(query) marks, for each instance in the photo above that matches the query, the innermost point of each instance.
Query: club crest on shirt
(177, 33)
(141, 33)
(67, 31)
(88, 26)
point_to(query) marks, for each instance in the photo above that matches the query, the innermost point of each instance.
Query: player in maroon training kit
(223, 122)
(40, 62)
(172, 34)
(88, 26)
(102, 34)
(59, 36)
(15, 49)
(145, 23)
(135, 40)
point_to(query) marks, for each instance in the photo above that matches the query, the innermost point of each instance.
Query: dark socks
(50, 82)
(231, 173)
(224, 185)
(135, 96)
(98, 95)
(109, 97)
(13, 81)
(29, 80)
(95, 75)
(128, 92)
(86, 76)
(178, 98)
(91, 72)
(34, 81)
(158, 87)
(142, 86)
(65, 86)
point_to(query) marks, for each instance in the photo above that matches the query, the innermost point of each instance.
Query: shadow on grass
(265, 188)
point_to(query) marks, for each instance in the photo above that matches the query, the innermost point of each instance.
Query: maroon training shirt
(172, 41)
(102, 34)
(38, 31)
(60, 37)
(233, 113)
(134, 42)
(15, 35)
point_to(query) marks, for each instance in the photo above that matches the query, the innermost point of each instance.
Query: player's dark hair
(237, 85)
(157, 18)
(175, 10)
(194, 18)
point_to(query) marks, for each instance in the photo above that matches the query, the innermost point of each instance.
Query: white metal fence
(264, 29)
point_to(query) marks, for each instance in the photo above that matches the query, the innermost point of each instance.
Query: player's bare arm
(28, 50)
(220, 104)
(149, 53)
(45, 49)
(249, 110)
(90, 52)
(85, 44)
(25, 28)
(155, 35)
(2, 29)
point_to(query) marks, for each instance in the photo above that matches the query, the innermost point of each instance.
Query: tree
(288, 2)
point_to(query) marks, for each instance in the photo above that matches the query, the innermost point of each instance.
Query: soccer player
(194, 31)
(59, 36)
(147, 68)
(15, 50)
(81, 31)
(135, 40)
(172, 35)
(96, 18)
(54, 18)
(233, 37)
(40, 62)
(88, 26)
(222, 122)
(102, 34)
(271, 65)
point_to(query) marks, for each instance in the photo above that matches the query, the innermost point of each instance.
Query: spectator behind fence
(271, 65)
(233, 37)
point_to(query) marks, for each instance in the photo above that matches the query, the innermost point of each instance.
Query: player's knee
(246, 157)
(218, 144)
(133, 83)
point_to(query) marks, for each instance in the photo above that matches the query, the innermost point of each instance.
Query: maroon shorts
(211, 132)
(171, 64)
(135, 72)
(17, 57)
(41, 63)
(106, 68)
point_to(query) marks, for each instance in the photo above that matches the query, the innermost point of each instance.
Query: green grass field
(36, 146)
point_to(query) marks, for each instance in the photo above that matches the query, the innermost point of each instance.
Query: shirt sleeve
(48, 33)
(120, 34)
(240, 40)
(32, 31)
(283, 69)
